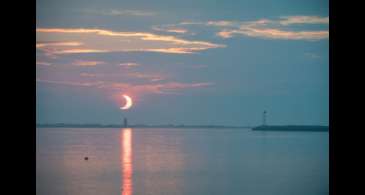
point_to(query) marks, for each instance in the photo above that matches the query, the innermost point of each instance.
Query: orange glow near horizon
(126, 161)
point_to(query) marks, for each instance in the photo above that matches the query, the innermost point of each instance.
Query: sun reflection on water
(126, 161)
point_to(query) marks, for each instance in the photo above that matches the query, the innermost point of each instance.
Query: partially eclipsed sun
(128, 103)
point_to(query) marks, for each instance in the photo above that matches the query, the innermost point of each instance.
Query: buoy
(86, 158)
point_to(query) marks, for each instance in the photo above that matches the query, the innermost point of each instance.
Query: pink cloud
(129, 64)
(87, 63)
(69, 41)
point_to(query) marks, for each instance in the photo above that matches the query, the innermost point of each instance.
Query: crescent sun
(128, 103)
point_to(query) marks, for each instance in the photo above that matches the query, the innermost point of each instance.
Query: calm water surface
(180, 161)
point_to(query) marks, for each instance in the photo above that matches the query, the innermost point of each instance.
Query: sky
(211, 62)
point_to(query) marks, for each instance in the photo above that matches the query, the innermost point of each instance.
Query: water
(180, 161)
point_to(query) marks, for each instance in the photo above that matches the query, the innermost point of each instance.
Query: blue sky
(183, 62)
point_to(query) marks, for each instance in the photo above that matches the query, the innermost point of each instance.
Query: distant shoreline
(139, 126)
(290, 128)
(257, 128)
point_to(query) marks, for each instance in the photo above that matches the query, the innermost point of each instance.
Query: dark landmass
(290, 128)
(258, 128)
(63, 125)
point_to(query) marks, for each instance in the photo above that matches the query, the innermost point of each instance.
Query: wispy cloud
(288, 20)
(158, 88)
(191, 23)
(100, 40)
(178, 50)
(150, 77)
(155, 88)
(221, 23)
(272, 33)
(170, 29)
(86, 63)
(279, 28)
(116, 12)
(273, 29)
(129, 64)
(82, 84)
(59, 44)
(84, 74)
(43, 63)
(140, 76)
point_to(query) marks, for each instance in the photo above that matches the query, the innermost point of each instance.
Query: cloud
(116, 12)
(220, 23)
(82, 84)
(226, 33)
(279, 28)
(155, 88)
(150, 77)
(125, 76)
(288, 20)
(49, 47)
(86, 63)
(43, 63)
(129, 64)
(68, 41)
(76, 51)
(170, 29)
(130, 75)
(271, 33)
(157, 79)
(177, 50)
(273, 29)
(84, 74)
(283, 20)
(160, 88)
(191, 23)
(48, 44)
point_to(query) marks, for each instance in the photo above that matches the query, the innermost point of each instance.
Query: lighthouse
(264, 118)
(125, 122)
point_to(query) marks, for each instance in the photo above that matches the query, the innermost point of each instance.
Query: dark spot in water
(86, 158)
